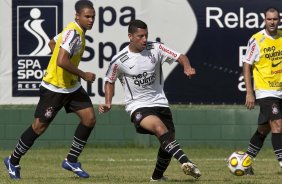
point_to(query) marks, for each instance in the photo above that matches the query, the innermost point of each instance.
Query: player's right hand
(250, 101)
(189, 72)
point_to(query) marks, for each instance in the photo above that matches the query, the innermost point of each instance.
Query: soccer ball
(239, 163)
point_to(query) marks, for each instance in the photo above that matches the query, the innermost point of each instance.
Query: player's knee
(89, 122)
(276, 126)
(160, 130)
(39, 127)
(92, 122)
(264, 130)
(277, 129)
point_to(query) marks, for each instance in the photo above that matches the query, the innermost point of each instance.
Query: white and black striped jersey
(141, 75)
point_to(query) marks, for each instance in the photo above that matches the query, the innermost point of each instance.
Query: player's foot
(250, 171)
(14, 170)
(75, 167)
(163, 178)
(191, 169)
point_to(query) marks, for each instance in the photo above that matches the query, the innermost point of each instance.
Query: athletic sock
(276, 140)
(162, 163)
(79, 141)
(24, 144)
(170, 145)
(255, 144)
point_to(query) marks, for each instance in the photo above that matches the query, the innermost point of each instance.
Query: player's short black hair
(79, 5)
(135, 24)
(271, 9)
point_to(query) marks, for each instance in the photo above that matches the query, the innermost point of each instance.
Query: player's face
(272, 21)
(138, 40)
(85, 18)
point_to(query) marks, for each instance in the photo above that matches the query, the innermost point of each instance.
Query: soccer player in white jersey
(60, 88)
(264, 59)
(138, 67)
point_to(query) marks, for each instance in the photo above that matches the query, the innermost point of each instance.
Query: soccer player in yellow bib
(60, 88)
(264, 60)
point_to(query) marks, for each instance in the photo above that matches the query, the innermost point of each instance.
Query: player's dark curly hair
(79, 5)
(135, 24)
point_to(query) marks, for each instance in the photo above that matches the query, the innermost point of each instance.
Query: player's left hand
(89, 77)
(104, 108)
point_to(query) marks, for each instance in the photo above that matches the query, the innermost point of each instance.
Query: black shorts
(51, 102)
(163, 113)
(270, 109)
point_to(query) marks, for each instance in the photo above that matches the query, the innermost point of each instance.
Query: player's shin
(163, 160)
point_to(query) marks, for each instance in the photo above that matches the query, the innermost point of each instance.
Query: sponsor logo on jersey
(274, 84)
(272, 54)
(167, 51)
(251, 52)
(276, 72)
(66, 37)
(112, 77)
(35, 23)
(143, 80)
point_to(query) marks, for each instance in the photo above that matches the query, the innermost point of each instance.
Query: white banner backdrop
(167, 20)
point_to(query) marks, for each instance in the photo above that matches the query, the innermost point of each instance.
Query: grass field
(135, 165)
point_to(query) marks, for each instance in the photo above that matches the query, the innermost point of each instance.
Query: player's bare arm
(250, 97)
(109, 93)
(52, 45)
(64, 62)
(188, 70)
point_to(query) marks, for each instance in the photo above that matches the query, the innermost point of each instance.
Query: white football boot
(191, 169)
